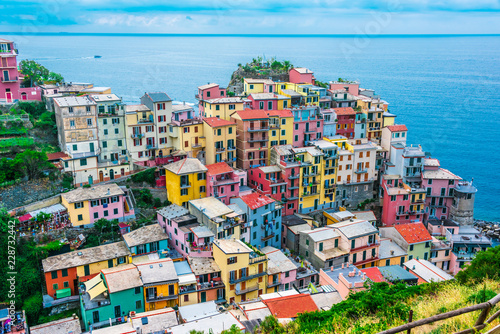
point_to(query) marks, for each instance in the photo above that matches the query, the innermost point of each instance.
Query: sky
(366, 17)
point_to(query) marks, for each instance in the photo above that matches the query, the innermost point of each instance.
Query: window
(89, 121)
(120, 142)
(72, 124)
(411, 248)
(54, 274)
(66, 284)
(96, 215)
(79, 205)
(320, 246)
(80, 217)
(105, 213)
(184, 192)
(83, 162)
(353, 243)
(307, 242)
(115, 211)
(138, 304)
(427, 245)
(202, 189)
(55, 286)
(137, 290)
(104, 144)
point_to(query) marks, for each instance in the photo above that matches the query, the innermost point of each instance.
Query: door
(8, 96)
(86, 269)
(91, 147)
(90, 179)
(315, 204)
(203, 297)
(118, 312)
(111, 174)
(95, 317)
(101, 176)
(122, 171)
(6, 76)
(24, 96)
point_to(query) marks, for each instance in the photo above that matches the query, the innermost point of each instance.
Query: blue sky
(252, 17)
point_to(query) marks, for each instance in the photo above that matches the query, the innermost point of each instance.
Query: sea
(446, 89)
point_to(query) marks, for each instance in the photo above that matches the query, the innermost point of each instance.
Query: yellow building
(222, 107)
(101, 257)
(220, 137)
(243, 270)
(391, 254)
(311, 184)
(140, 128)
(374, 109)
(188, 137)
(161, 284)
(185, 180)
(280, 128)
(310, 96)
(256, 86)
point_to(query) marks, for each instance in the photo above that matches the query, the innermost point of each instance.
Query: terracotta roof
(414, 232)
(219, 168)
(374, 274)
(256, 200)
(344, 111)
(395, 128)
(216, 122)
(186, 166)
(290, 306)
(280, 113)
(248, 114)
(56, 156)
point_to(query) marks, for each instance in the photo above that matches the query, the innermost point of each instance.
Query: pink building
(222, 182)
(165, 215)
(182, 113)
(281, 270)
(208, 92)
(11, 87)
(188, 237)
(346, 118)
(301, 75)
(264, 101)
(308, 125)
(439, 184)
(271, 181)
(401, 203)
(345, 279)
(350, 87)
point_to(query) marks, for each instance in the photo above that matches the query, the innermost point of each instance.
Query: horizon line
(62, 33)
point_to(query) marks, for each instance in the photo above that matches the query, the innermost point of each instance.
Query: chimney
(347, 265)
(342, 266)
(331, 269)
(109, 191)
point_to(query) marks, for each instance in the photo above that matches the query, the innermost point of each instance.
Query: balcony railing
(273, 283)
(151, 147)
(265, 128)
(185, 185)
(247, 289)
(210, 285)
(159, 297)
(4, 79)
(293, 187)
(257, 259)
(361, 171)
(254, 140)
(220, 149)
(292, 177)
(270, 236)
(247, 278)
(186, 289)
(137, 135)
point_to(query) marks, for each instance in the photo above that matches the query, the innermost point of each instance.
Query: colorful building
(280, 128)
(185, 180)
(257, 86)
(346, 279)
(322, 247)
(281, 271)
(222, 182)
(64, 272)
(222, 107)
(301, 75)
(252, 127)
(160, 105)
(208, 278)
(188, 294)
(149, 241)
(12, 87)
(412, 238)
(209, 91)
(391, 254)
(140, 125)
(264, 219)
(160, 283)
(307, 125)
(345, 118)
(111, 295)
(220, 138)
(263, 101)
(87, 205)
(243, 270)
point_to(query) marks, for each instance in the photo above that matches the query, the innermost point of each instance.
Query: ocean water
(445, 89)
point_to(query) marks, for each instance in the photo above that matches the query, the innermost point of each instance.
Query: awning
(50, 209)
(187, 279)
(63, 293)
(97, 290)
(25, 218)
(92, 282)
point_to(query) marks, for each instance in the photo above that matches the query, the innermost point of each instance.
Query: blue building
(264, 219)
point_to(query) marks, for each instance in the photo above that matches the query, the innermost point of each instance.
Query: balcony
(293, 198)
(4, 79)
(185, 185)
(186, 289)
(226, 180)
(278, 182)
(331, 156)
(219, 149)
(257, 259)
(151, 147)
(367, 246)
(293, 177)
(361, 171)
(247, 278)
(210, 285)
(247, 289)
(307, 194)
(159, 297)
(273, 283)
(255, 140)
(293, 187)
(137, 135)
(265, 128)
(270, 236)
(145, 120)
(231, 148)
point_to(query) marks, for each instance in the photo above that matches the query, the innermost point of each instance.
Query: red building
(401, 203)
(222, 182)
(346, 117)
(301, 75)
(264, 101)
(208, 92)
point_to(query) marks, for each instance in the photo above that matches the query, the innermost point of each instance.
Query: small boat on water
(97, 56)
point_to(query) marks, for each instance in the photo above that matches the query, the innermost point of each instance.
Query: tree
(270, 325)
(233, 330)
(9, 170)
(36, 74)
(194, 331)
(32, 163)
(484, 265)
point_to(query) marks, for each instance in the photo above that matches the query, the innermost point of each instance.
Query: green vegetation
(147, 176)
(485, 265)
(28, 164)
(36, 74)
(145, 199)
(22, 142)
(104, 231)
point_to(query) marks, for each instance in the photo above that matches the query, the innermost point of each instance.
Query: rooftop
(225, 100)
(431, 162)
(105, 97)
(334, 274)
(396, 273)
(397, 128)
(303, 70)
(324, 144)
(159, 97)
(95, 192)
(85, 256)
(212, 324)
(219, 168)
(365, 215)
(74, 101)
(280, 113)
(181, 107)
(326, 299)
(278, 262)
(198, 311)
(413, 233)
(215, 122)
(309, 149)
(66, 325)
(173, 211)
(291, 92)
(211, 207)
(161, 270)
(292, 220)
(248, 114)
(427, 271)
(203, 265)
(270, 169)
(389, 249)
(157, 321)
(229, 246)
(256, 200)
(440, 173)
(136, 108)
(266, 81)
(322, 233)
(263, 96)
(144, 235)
(121, 278)
(207, 86)
(354, 229)
(186, 166)
(182, 268)
(374, 274)
(344, 111)
(290, 306)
